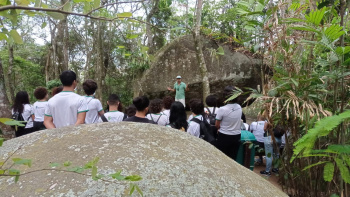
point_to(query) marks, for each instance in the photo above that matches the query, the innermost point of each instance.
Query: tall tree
(199, 52)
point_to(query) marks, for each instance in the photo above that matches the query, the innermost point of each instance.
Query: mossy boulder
(171, 163)
(236, 67)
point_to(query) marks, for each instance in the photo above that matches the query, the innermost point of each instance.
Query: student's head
(141, 103)
(211, 101)
(197, 106)
(156, 106)
(228, 92)
(178, 115)
(21, 98)
(56, 90)
(167, 101)
(68, 78)
(89, 86)
(41, 93)
(131, 110)
(260, 117)
(114, 101)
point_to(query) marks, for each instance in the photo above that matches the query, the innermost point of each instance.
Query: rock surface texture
(171, 163)
(179, 58)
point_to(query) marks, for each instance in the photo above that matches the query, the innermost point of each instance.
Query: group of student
(66, 108)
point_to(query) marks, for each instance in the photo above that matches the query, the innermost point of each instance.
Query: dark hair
(197, 106)
(21, 99)
(178, 115)
(114, 99)
(156, 106)
(228, 91)
(40, 93)
(56, 90)
(167, 101)
(141, 103)
(89, 86)
(67, 77)
(212, 101)
(130, 110)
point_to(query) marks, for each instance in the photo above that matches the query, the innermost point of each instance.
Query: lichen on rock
(171, 163)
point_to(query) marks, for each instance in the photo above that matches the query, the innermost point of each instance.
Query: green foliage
(328, 171)
(53, 83)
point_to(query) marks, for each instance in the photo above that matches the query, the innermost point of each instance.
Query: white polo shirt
(94, 106)
(167, 113)
(230, 117)
(113, 116)
(64, 108)
(257, 128)
(160, 119)
(193, 127)
(38, 111)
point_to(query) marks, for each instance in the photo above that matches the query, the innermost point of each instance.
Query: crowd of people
(66, 108)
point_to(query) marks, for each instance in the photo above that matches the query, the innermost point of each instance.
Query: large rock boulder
(171, 163)
(179, 58)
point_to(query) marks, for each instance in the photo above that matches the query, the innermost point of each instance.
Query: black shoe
(275, 170)
(265, 173)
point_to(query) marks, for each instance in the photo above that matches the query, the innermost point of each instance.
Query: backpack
(157, 120)
(206, 132)
(211, 116)
(18, 117)
(104, 119)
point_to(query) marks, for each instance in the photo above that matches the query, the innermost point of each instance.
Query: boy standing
(38, 110)
(113, 115)
(94, 105)
(66, 108)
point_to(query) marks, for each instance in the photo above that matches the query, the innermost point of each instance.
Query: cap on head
(178, 77)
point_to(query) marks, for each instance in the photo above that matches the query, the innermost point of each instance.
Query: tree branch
(102, 6)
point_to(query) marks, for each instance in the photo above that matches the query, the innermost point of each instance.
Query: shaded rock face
(171, 163)
(179, 58)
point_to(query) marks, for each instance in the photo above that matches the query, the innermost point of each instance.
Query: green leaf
(315, 17)
(117, 175)
(177, 28)
(131, 36)
(315, 164)
(342, 50)
(328, 172)
(97, 3)
(67, 163)
(54, 165)
(144, 49)
(251, 145)
(132, 189)
(15, 173)
(55, 15)
(127, 54)
(92, 163)
(16, 37)
(2, 172)
(138, 190)
(220, 51)
(133, 178)
(295, 82)
(121, 47)
(344, 170)
(124, 15)
(304, 28)
(29, 13)
(27, 162)
(15, 123)
(68, 7)
(22, 2)
(3, 37)
(94, 172)
(1, 142)
(43, 25)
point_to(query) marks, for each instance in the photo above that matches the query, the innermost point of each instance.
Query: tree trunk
(199, 51)
(99, 65)
(154, 9)
(5, 111)
(9, 85)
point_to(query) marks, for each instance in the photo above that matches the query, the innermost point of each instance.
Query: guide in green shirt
(179, 89)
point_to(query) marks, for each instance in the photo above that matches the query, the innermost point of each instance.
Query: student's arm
(187, 89)
(48, 122)
(33, 117)
(80, 118)
(100, 113)
(170, 89)
(217, 124)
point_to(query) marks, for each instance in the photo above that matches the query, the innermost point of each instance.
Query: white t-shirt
(113, 116)
(94, 106)
(257, 128)
(230, 117)
(64, 108)
(39, 108)
(27, 115)
(160, 119)
(193, 127)
(167, 113)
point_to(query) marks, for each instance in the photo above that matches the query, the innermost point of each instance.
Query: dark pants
(22, 131)
(228, 144)
(38, 126)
